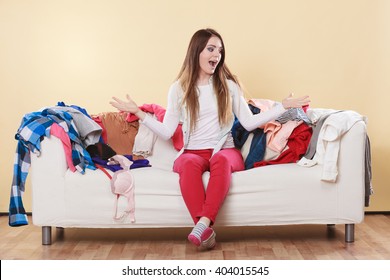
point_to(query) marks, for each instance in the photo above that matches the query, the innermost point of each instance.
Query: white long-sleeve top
(328, 145)
(208, 132)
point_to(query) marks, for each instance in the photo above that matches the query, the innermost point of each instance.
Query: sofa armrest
(351, 172)
(48, 179)
(52, 158)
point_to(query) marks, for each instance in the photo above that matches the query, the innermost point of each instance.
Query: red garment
(159, 112)
(297, 145)
(59, 132)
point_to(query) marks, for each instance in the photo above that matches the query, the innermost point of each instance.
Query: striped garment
(294, 114)
(34, 127)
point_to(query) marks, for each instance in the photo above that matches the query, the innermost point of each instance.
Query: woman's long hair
(188, 77)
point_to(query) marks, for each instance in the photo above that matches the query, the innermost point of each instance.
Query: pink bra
(122, 183)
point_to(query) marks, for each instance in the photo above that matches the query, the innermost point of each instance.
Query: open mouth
(213, 63)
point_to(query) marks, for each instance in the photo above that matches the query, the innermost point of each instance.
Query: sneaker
(194, 240)
(208, 239)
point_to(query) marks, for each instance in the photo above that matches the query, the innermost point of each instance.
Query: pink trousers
(201, 201)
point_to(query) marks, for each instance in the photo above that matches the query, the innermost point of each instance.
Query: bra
(122, 184)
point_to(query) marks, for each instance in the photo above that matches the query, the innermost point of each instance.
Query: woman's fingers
(290, 102)
(124, 105)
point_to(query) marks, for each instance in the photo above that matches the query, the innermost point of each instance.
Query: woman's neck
(203, 80)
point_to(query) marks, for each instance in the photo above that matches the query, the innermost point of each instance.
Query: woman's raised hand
(291, 102)
(128, 106)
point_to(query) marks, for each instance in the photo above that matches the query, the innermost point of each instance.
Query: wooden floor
(303, 242)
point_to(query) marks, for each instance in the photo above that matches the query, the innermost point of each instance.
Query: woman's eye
(210, 49)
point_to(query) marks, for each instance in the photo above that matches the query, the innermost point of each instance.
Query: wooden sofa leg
(46, 235)
(349, 233)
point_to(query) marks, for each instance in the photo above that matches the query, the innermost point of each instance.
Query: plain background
(85, 52)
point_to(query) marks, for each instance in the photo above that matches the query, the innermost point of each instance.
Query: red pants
(192, 164)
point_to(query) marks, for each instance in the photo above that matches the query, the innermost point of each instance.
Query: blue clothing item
(257, 149)
(258, 144)
(239, 133)
(138, 163)
(17, 214)
(34, 127)
(82, 110)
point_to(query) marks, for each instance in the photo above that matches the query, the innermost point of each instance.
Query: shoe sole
(210, 233)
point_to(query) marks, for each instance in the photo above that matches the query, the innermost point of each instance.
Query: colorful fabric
(296, 147)
(258, 142)
(138, 163)
(159, 112)
(34, 127)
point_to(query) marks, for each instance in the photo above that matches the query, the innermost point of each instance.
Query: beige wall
(84, 52)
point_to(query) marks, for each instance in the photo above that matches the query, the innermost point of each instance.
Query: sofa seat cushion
(298, 196)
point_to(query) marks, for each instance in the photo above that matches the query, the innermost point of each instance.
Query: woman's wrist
(140, 114)
(285, 104)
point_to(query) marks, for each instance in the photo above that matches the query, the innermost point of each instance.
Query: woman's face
(210, 57)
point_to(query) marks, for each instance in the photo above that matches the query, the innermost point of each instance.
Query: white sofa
(283, 194)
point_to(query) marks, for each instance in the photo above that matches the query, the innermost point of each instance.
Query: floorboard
(295, 242)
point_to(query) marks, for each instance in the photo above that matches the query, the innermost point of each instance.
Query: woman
(205, 97)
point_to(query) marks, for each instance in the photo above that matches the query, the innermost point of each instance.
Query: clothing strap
(104, 170)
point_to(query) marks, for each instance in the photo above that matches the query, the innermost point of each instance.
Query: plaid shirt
(34, 127)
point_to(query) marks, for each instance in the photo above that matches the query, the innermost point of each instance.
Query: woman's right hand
(128, 106)
(299, 102)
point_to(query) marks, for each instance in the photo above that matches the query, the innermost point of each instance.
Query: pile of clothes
(283, 140)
